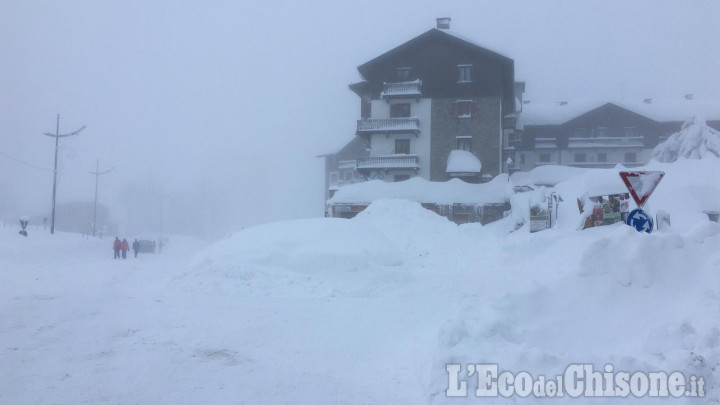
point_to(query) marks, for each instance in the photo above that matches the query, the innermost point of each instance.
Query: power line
(57, 137)
(97, 174)
(24, 162)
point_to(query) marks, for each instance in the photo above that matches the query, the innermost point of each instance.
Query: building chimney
(443, 23)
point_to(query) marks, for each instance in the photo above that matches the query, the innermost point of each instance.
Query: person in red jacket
(116, 247)
(124, 246)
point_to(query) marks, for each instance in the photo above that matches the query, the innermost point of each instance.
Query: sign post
(641, 185)
(23, 224)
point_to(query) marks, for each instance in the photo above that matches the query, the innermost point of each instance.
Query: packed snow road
(79, 327)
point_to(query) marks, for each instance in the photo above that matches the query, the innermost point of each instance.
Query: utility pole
(162, 198)
(97, 174)
(57, 137)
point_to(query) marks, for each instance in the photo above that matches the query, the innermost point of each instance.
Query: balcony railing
(335, 184)
(387, 125)
(346, 164)
(545, 143)
(402, 89)
(600, 165)
(606, 142)
(400, 161)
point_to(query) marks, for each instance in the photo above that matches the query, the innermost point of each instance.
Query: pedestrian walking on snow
(124, 246)
(116, 247)
(136, 247)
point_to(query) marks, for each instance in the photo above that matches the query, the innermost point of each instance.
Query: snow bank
(411, 228)
(612, 295)
(547, 175)
(297, 251)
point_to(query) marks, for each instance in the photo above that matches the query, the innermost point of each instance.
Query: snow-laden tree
(695, 140)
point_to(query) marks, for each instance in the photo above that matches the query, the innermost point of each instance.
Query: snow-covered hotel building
(434, 107)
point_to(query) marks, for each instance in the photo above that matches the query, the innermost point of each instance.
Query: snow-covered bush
(695, 140)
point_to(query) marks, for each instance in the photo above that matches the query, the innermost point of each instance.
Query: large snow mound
(695, 140)
(300, 251)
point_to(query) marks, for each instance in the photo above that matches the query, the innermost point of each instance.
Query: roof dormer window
(465, 73)
(403, 74)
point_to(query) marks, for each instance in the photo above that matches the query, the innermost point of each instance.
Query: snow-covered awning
(462, 161)
(417, 189)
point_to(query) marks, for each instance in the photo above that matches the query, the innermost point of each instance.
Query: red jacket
(116, 244)
(125, 245)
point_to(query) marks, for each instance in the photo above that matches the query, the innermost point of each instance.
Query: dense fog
(212, 114)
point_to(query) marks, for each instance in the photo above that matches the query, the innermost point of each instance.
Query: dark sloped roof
(431, 34)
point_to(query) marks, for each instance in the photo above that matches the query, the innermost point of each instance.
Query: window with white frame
(464, 143)
(403, 74)
(580, 157)
(465, 73)
(544, 158)
(399, 110)
(402, 146)
(464, 108)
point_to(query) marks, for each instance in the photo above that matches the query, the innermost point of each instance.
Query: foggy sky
(224, 105)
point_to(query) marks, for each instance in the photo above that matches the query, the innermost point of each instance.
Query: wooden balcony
(388, 125)
(400, 161)
(546, 143)
(411, 89)
(606, 142)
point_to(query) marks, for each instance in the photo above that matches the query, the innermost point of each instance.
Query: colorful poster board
(539, 218)
(606, 209)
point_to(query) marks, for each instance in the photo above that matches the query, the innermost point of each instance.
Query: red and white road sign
(641, 184)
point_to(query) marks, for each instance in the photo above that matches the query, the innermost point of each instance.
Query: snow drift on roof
(462, 161)
(695, 140)
(417, 189)
(556, 113)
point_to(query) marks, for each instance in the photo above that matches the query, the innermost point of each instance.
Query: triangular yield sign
(641, 184)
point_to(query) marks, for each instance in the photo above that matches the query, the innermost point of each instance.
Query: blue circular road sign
(640, 220)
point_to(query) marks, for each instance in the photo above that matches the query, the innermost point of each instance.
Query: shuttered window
(464, 109)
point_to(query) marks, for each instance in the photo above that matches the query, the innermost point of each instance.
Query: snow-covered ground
(368, 310)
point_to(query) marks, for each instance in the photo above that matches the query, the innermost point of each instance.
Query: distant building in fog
(601, 134)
